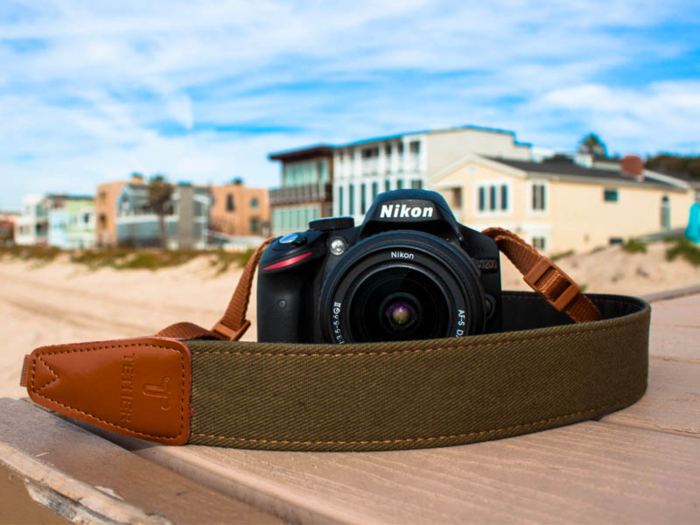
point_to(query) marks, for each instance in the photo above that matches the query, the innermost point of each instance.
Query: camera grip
(280, 308)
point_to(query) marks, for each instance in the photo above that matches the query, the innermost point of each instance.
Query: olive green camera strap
(198, 386)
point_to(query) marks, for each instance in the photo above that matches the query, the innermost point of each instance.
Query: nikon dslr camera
(409, 271)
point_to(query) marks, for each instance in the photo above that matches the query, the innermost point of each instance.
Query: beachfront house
(64, 221)
(239, 215)
(307, 188)
(186, 217)
(561, 204)
(318, 181)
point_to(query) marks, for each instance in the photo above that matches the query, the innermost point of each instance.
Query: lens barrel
(402, 285)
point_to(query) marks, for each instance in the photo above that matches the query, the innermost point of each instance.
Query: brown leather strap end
(138, 387)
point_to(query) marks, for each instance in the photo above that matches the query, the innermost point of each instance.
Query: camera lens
(400, 314)
(402, 285)
(397, 302)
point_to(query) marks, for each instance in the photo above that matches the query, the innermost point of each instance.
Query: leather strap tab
(233, 325)
(138, 387)
(544, 277)
(24, 378)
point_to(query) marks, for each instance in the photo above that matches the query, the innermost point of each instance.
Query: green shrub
(129, 258)
(685, 249)
(635, 246)
(561, 255)
(40, 254)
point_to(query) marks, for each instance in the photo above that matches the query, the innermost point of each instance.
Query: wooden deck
(638, 465)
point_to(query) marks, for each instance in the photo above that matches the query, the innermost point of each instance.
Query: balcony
(322, 191)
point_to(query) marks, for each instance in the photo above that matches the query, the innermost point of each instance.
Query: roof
(467, 127)
(325, 149)
(561, 167)
(317, 150)
(71, 197)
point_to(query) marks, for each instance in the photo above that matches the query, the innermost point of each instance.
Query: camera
(409, 271)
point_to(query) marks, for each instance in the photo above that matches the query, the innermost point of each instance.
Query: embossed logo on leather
(161, 391)
(126, 388)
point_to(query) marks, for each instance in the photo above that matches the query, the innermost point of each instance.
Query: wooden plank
(676, 342)
(85, 477)
(16, 505)
(682, 311)
(672, 401)
(591, 472)
(671, 294)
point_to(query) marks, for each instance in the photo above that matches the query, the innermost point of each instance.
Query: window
(457, 197)
(610, 195)
(322, 171)
(665, 213)
(375, 190)
(416, 184)
(414, 147)
(368, 153)
(254, 203)
(340, 200)
(539, 243)
(399, 184)
(492, 198)
(387, 185)
(387, 150)
(363, 199)
(229, 202)
(254, 225)
(539, 196)
(351, 200)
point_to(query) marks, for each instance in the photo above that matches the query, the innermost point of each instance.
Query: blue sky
(202, 91)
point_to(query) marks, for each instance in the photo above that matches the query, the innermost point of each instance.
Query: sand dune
(62, 302)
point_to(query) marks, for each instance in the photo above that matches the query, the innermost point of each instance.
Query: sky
(203, 91)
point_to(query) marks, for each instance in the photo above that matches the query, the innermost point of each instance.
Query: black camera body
(409, 271)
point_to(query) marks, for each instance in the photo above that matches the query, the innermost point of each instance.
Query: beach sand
(61, 302)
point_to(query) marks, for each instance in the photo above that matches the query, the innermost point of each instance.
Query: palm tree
(159, 193)
(592, 145)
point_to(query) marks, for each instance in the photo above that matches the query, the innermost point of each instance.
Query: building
(358, 171)
(8, 219)
(186, 217)
(364, 169)
(32, 226)
(558, 205)
(106, 210)
(307, 188)
(65, 221)
(238, 213)
(72, 223)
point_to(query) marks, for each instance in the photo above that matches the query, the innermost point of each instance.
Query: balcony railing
(297, 194)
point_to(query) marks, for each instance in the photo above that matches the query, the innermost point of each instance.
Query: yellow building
(558, 205)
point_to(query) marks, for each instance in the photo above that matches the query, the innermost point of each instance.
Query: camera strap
(563, 357)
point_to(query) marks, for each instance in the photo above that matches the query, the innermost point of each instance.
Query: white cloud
(92, 91)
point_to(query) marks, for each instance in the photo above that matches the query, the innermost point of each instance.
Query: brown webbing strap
(544, 277)
(233, 324)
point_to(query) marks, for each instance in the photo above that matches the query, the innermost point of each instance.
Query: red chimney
(632, 166)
